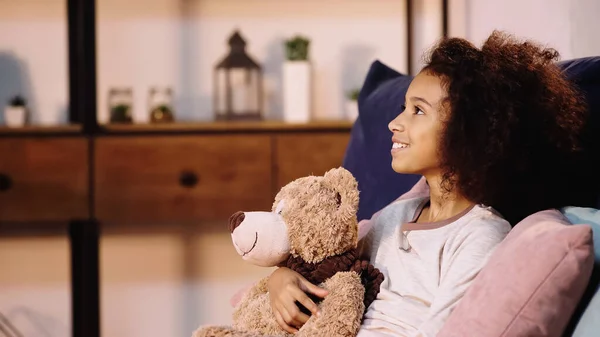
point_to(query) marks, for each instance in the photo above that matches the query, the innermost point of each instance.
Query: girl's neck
(442, 204)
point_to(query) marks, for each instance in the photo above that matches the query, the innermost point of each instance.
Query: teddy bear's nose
(235, 220)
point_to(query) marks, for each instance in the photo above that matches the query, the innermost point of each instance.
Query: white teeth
(399, 146)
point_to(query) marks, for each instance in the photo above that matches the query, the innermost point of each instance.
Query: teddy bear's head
(312, 217)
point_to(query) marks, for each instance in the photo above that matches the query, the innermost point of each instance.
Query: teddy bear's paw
(342, 309)
(221, 331)
(348, 283)
(213, 331)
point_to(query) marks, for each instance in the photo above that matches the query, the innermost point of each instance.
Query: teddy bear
(313, 230)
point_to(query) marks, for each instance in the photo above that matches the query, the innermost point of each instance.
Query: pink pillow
(531, 284)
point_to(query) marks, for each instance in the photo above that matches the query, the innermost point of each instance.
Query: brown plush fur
(322, 219)
(317, 273)
(320, 214)
(341, 313)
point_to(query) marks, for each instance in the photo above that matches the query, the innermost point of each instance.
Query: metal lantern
(238, 84)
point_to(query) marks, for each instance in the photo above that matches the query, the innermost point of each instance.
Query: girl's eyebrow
(420, 99)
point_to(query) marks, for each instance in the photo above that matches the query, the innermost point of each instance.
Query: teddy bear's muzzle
(235, 220)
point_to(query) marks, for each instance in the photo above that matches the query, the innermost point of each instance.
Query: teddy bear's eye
(279, 207)
(338, 199)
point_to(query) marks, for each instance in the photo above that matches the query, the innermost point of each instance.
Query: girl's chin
(403, 169)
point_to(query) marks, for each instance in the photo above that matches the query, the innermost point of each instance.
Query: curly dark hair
(512, 123)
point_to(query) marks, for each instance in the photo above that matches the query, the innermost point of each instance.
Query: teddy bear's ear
(342, 181)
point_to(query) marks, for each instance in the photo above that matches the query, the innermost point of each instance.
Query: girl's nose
(397, 124)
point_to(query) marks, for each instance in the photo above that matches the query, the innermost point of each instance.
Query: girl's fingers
(290, 316)
(313, 289)
(307, 303)
(282, 323)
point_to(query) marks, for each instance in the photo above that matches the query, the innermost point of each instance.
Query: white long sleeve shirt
(427, 266)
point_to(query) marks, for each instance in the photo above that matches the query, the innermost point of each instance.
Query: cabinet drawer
(299, 155)
(43, 179)
(162, 179)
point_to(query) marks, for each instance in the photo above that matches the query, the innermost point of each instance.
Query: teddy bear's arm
(371, 279)
(341, 311)
(253, 314)
(251, 295)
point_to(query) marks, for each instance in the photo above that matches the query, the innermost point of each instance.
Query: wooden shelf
(52, 130)
(224, 126)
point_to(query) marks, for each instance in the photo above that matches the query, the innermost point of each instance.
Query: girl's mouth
(400, 146)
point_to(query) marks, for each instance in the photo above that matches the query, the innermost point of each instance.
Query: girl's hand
(285, 288)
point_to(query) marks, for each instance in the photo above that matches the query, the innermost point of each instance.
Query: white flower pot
(351, 110)
(296, 91)
(15, 116)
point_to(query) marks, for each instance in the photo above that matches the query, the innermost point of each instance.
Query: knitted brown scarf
(317, 273)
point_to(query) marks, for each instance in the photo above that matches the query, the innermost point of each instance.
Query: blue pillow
(589, 216)
(585, 322)
(584, 73)
(368, 154)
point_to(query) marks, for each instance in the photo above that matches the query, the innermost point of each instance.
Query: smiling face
(416, 131)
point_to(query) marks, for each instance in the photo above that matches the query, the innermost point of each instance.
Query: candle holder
(238, 84)
(160, 104)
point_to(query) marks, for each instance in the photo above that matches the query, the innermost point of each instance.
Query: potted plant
(297, 80)
(160, 103)
(15, 113)
(120, 113)
(161, 114)
(120, 105)
(352, 104)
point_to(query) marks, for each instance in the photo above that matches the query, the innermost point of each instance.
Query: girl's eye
(418, 110)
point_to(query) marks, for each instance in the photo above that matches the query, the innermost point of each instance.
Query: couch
(368, 158)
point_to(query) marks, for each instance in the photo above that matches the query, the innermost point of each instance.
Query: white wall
(524, 18)
(177, 43)
(33, 57)
(585, 26)
(570, 26)
(427, 29)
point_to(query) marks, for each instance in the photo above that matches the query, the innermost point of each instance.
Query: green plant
(353, 94)
(296, 48)
(120, 113)
(17, 101)
(163, 108)
(162, 113)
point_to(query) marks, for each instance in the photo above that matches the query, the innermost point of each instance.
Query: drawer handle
(188, 179)
(5, 182)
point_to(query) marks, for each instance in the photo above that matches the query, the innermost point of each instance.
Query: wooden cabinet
(299, 155)
(147, 179)
(43, 179)
(161, 174)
